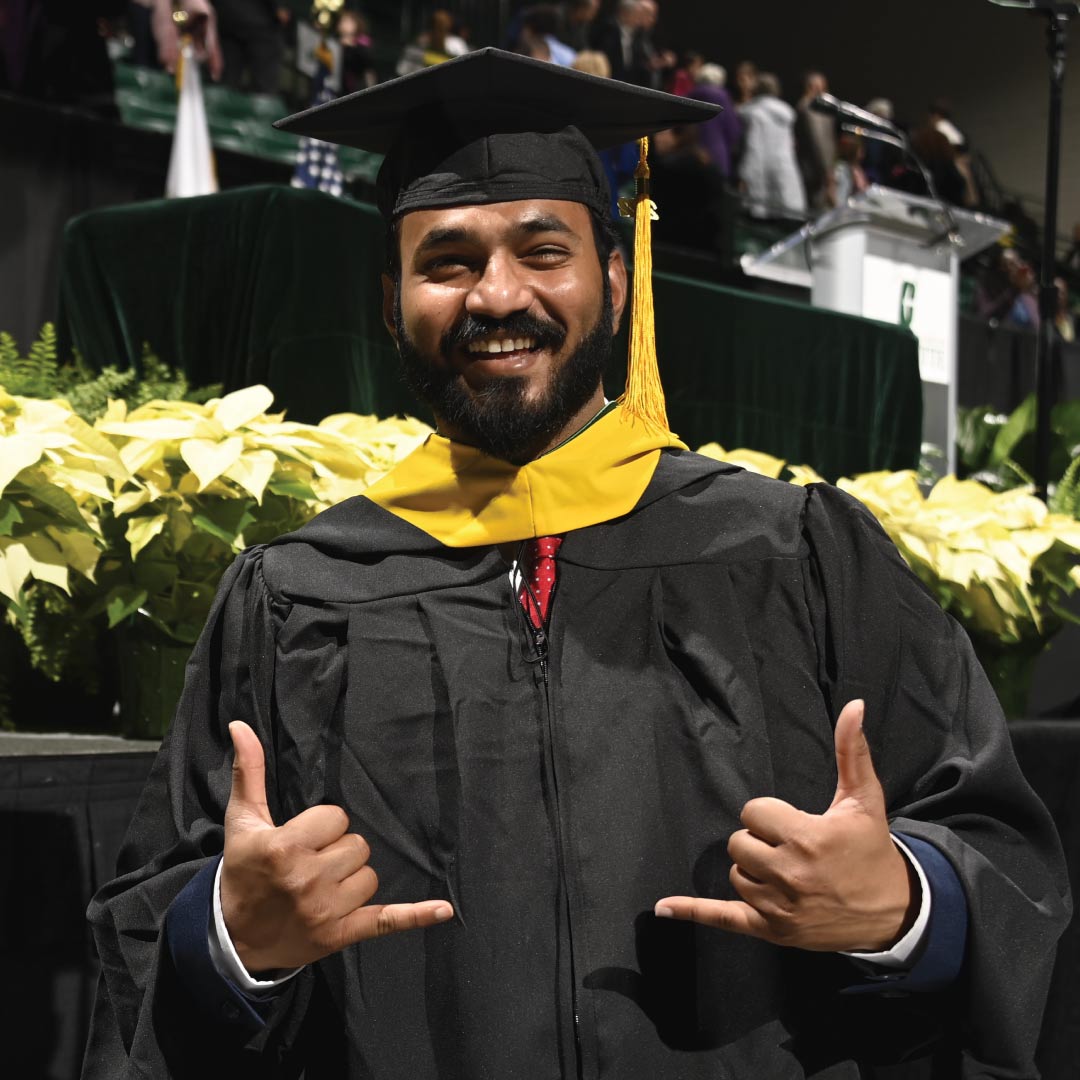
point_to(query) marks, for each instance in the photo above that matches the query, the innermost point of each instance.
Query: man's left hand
(832, 882)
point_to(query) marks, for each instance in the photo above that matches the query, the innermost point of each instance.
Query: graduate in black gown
(666, 770)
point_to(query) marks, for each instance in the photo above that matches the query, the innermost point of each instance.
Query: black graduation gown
(699, 651)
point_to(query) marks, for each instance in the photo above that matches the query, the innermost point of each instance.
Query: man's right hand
(293, 894)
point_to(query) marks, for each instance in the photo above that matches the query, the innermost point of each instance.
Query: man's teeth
(501, 345)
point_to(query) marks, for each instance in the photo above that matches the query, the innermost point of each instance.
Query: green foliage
(976, 430)
(1066, 496)
(57, 629)
(40, 374)
(60, 641)
(999, 451)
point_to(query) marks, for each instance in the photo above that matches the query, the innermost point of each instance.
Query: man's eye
(548, 254)
(444, 263)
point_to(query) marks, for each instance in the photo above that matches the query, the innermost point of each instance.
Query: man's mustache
(546, 334)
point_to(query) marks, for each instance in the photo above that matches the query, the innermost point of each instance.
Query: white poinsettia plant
(1000, 562)
(56, 475)
(149, 506)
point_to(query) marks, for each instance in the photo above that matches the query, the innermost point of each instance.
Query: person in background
(578, 18)
(849, 178)
(1071, 262)
(619, 161)
(620, 40)
(251, 43)
(721, 136)
(950, 171)
(746, 80)
(879, 158)
(144, 48)
(436, 44)
(940, 118)
(685, 76)
(768, 170)
(660, 62)
(357, 68)
(688, 190)
(539, 38)
(1006, 292)
(166, 38)
(1064, 320)
(815, 143)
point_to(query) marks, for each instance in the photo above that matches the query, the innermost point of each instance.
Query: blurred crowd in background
(770, 153)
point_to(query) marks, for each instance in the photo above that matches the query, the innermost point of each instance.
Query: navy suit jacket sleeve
(938, 961)
(187, 930)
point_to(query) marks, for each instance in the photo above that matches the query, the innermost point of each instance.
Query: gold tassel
(643, 398)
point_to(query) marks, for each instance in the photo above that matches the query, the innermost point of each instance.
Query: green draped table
(273, 285)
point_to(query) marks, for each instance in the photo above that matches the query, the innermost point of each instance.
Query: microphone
(1054, 7)
(875, 124)
(826, 103)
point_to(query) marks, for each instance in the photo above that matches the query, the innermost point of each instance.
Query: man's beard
(498, 418)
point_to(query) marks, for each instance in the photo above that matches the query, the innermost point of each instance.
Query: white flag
(191, 165)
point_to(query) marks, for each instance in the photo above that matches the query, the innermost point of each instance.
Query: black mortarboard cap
(492, 126)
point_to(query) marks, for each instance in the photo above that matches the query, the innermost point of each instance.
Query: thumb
(248, 795)
(855, 776)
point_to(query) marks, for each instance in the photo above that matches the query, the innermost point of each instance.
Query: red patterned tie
(539, 580)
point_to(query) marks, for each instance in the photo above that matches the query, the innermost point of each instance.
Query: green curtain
(273, 285)
(833, 391)
(262, 284)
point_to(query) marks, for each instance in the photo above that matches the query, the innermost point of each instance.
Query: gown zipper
(540, 643)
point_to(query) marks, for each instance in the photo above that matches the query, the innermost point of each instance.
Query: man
(578, 19)
(815, 145)
(660, 62)
(251, 43)
(590, 705)
(621, 39)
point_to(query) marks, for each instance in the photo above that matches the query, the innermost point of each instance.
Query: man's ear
(389, 288)
(617, 277)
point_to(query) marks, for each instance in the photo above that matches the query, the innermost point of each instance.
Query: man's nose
(500, 290)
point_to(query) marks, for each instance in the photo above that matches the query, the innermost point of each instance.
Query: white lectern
(889, 256)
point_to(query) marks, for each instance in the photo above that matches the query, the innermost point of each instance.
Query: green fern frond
(1066, 497)
(1010, 466)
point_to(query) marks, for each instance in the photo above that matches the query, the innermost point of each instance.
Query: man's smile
(503, 356)
(498, 344)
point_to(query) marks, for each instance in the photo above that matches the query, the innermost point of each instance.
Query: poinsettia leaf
(122, 602)
(201, 521)
(293, 489)
(51, 497)
(10, 516)
(141, 530)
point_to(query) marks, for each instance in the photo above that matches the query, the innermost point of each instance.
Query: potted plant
(129, 523)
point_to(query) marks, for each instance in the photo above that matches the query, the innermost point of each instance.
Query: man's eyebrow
(447, 235)
(541, 223)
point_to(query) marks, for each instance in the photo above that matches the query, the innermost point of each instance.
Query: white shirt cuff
(223, 953)
(899, 956)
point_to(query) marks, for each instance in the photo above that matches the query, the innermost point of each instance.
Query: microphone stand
(1047, 354)
(865, 123)
(951, 232)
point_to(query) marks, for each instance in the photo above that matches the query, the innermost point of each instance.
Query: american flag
(317, 165)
